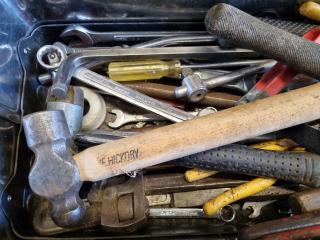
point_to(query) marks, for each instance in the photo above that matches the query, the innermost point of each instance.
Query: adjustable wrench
(123, 118)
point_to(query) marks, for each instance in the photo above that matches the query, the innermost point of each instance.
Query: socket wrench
(194, 89)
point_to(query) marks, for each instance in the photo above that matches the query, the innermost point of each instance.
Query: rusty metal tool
(162, 91)
(306, 201)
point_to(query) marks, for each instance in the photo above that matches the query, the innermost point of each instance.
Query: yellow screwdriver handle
(245, 190)
(310, 10)
(144, 70)
(196, 174)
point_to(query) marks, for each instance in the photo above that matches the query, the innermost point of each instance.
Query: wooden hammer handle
(200, 134)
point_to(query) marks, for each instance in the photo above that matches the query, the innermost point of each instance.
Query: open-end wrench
(89, 38)
(256, 207)
(123, 118)
(129, 95)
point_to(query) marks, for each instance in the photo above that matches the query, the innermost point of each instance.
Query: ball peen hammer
(200, 134)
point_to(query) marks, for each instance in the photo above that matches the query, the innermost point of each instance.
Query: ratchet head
(79, 32)
(119, 121)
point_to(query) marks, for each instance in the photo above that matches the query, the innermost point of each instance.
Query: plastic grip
(290, 166)
(250, 32)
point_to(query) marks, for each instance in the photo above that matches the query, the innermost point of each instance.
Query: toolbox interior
(17, 192)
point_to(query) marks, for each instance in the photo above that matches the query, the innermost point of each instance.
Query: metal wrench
(129, 95)
(256, 207)
(89, 38)
(123, 118)
(192, 213)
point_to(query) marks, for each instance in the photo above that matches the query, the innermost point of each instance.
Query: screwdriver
(310, 10)
(156, 69)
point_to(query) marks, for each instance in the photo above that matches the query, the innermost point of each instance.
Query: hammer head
(71, 105)
(54, 174)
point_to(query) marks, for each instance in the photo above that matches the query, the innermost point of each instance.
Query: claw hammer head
(54, 174)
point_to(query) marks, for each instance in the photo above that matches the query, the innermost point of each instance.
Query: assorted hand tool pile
(179, 125)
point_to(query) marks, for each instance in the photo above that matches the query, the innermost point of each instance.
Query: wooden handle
(200, 134)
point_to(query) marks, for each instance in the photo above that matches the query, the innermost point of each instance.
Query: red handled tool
(278, 77)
